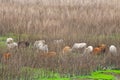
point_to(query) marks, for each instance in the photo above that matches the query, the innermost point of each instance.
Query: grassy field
(90, 21)
(99, 75)
(42, 74)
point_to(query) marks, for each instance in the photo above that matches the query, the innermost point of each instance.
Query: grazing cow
(49, 54)
(97, 50)
(67, 49)
(11, 44)
(9, 40)
(79, 47)
(43, 48)
(23, 44)
(100, 49)
(39, 43)
(59, 41)
(103, 47)
(88, 50)
(113, 50)
(6, 56)
(58, 44)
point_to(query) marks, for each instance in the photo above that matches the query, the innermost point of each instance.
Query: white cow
(9, 40)
(113, 50)
(11, 44)
(59, 41)
(43, 48)
(40, 45)
(79, 45)
(88, 50)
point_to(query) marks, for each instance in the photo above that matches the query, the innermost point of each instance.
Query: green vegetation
(2, 41)
(102, 75)
(40, 74)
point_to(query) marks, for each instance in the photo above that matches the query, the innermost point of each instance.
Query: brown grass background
(91, 21)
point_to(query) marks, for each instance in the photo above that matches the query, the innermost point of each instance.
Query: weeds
(93, 23)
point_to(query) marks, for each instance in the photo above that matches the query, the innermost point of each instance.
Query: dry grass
(94, 23)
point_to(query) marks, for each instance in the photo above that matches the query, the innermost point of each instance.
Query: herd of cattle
(41, 45)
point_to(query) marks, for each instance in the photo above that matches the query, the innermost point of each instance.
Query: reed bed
(90, 21)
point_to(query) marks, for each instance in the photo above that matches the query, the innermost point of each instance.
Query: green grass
(99, 75)
(2, 41)
(42, 74)
(102, 75)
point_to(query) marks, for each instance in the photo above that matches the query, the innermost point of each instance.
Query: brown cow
(103, 47)
(96, 50)
(49, 54)
(67, 49)
(23, 44)
(6, 56)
